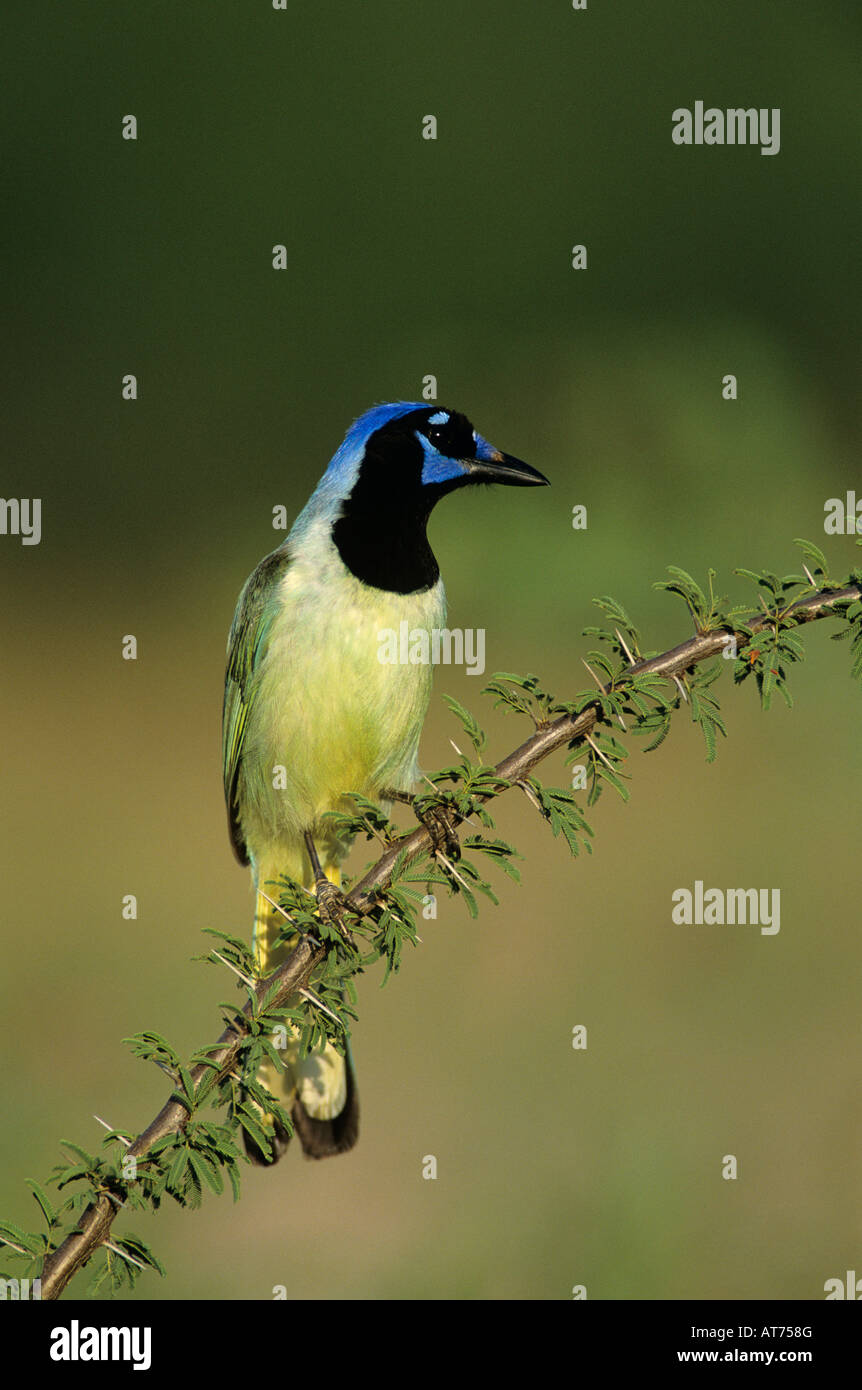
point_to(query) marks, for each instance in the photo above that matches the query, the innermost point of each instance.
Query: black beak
(503, 468)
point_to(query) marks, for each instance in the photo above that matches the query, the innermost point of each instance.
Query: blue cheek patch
(436, 468)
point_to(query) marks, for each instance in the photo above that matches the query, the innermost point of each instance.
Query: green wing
(246, 645)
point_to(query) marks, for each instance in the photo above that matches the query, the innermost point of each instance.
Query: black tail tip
(278, 1146)
(326, 1138)
(319, 1138)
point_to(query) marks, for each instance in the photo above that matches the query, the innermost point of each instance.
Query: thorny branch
(93, 1229)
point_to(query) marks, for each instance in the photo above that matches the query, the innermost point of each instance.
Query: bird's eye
(435, 435)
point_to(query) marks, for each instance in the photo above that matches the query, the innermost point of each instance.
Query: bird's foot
(438, 822)
(331, 902)
(334, 909)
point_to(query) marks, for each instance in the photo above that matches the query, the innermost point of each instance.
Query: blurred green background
(408, 257)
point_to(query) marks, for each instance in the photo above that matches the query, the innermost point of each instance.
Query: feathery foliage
(187, 1151)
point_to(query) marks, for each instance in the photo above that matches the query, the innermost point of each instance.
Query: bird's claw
(438, 823)
(436, 820)
(334, 909)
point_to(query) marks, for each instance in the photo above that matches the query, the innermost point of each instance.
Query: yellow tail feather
(319, 1081)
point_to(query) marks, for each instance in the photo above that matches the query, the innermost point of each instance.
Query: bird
(311, 713)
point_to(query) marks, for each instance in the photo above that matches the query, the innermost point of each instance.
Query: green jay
(310, 711)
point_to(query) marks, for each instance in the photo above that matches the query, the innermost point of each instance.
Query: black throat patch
(387, 550)
(381, 532)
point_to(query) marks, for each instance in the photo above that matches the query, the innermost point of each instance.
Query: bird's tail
(318, 1092)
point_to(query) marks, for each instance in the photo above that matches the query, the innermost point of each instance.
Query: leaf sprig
(633, 692)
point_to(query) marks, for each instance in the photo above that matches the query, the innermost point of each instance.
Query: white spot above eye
(441, 418)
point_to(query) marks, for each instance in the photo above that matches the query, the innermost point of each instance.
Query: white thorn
(127, 1142)
(624, 645)
(453, 871)
(123, 1254)
(245, 978)
(597, 750)
(278, 907)
(619, 717)
(319, 1004)
(594, 676)
(530, 795)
